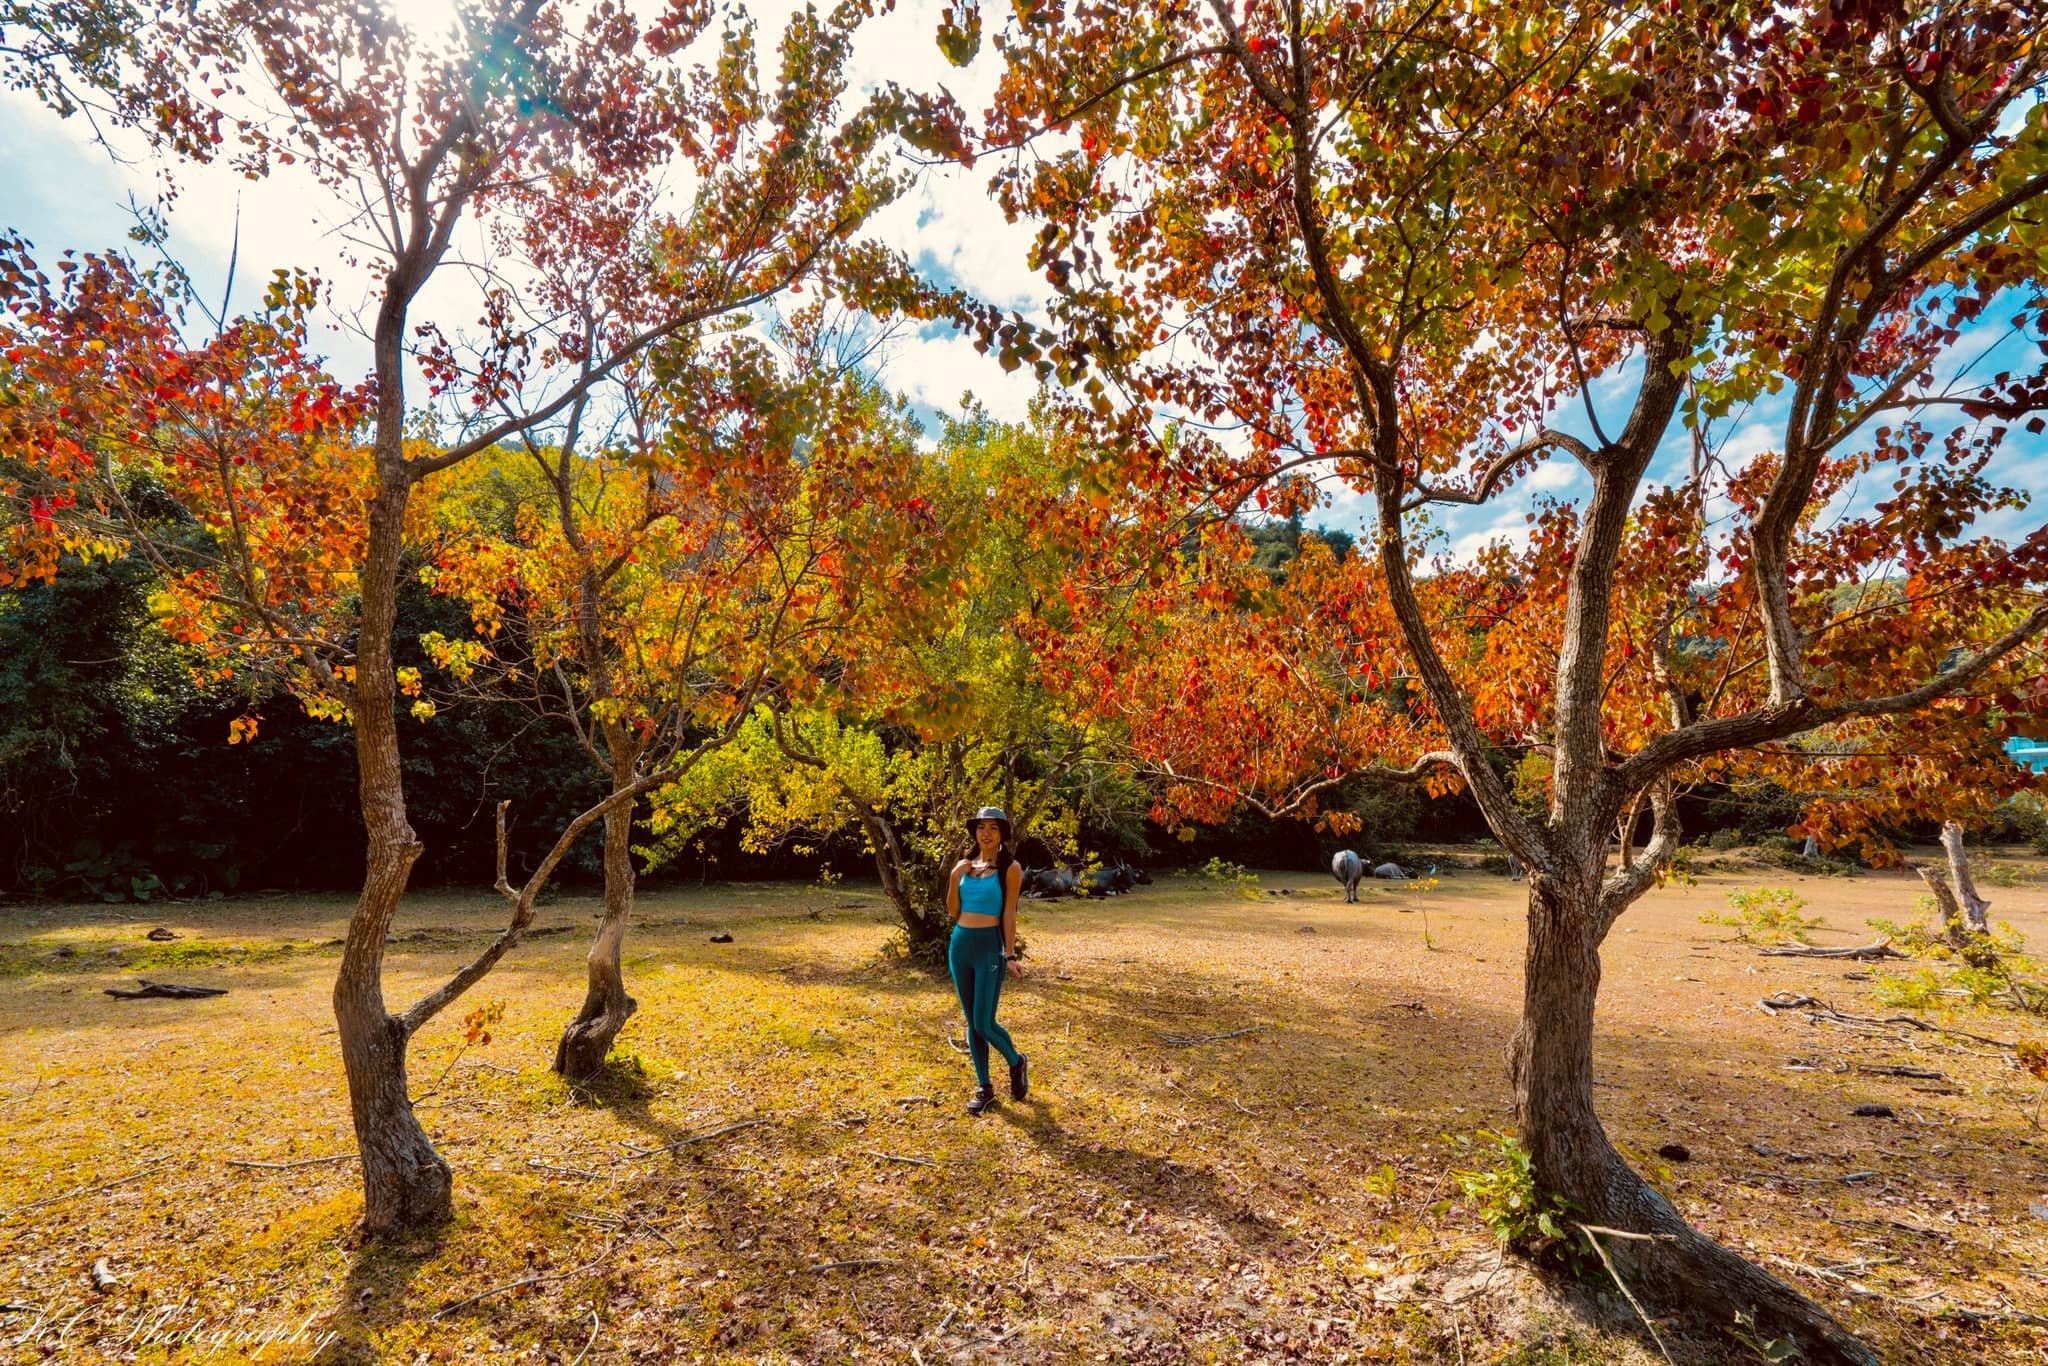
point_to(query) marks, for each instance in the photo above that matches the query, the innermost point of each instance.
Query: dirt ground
(779, 1169)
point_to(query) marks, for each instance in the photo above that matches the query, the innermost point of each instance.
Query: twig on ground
(958, 1047)
(899, 1157)
(524, 1281)
(1916, 1073)
(288, 1166)
(2007, 1315)
(912, 1100)
(539, 1165)
(1592, 1232)
(852, 1264)
(946, 1322)
(1189, 1040)
(589, 1343)
(1853, 1287)
(640, 1153)
(1817, 1010)
(1136, 1258)
(84, 1190)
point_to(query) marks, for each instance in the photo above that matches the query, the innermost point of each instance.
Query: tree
(1391, 241)
(553, 127)
(722, 537)
(941, 706)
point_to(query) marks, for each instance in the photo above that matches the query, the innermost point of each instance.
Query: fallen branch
(1137, 1258)
(1862, 953)
(854, 1264)
(1916, 1073)
(168, 990)
(681, 1143)
(539, 1165)
(1190, 1040)
(912, 1100)
(899, 1157)
(1970, 1315)
(290, 1166)
(84, 1190)
(1817, 1010)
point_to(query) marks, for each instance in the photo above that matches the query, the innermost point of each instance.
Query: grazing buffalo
(1349, 869)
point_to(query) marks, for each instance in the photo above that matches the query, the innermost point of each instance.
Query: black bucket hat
(990, 813)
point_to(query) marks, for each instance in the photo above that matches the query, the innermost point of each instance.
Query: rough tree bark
(606, 1006)
(1551, 1065)
(406, 1184)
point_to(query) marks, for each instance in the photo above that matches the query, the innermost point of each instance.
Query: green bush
(1234, 876)
(1990, 970)
(2006, 875)
(1766, 915)
(1725, 839)
(1533, 1222)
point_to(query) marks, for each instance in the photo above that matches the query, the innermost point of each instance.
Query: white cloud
(936, 371)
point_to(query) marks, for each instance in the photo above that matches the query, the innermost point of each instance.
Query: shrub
(1991, 970)
(1533, 1222)
(2005, 875)
(1725, 839)
(1766, 915)
(1234, 876)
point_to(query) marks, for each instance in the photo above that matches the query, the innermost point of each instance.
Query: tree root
(1670, 1261)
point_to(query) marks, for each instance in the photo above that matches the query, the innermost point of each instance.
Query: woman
(981, 896)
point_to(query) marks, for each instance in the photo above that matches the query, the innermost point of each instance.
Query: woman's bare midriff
(979, 922)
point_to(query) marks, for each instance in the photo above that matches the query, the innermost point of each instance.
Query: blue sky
(64, 192)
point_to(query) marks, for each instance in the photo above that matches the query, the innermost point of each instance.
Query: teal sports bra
(981, 895)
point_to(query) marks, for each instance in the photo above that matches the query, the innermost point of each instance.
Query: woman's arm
(1013, 881)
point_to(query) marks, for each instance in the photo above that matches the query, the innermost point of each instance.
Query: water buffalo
(1048, 883)
(1391, 872)
(1349, 869)
(1111, 879)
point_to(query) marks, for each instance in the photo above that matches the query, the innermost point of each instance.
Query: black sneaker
(1019, 1083)
(984, 1096)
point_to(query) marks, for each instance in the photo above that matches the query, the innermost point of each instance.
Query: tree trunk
(1948, 912)
(606, 1006)
(1551, 1062)
(924, 924)
(1974, 906)
(405, 1182)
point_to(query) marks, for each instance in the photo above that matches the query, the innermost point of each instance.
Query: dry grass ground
(1277, 1195)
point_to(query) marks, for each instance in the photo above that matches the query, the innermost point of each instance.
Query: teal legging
(976, 960)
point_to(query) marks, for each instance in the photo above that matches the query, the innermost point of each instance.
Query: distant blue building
(2032, 753)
